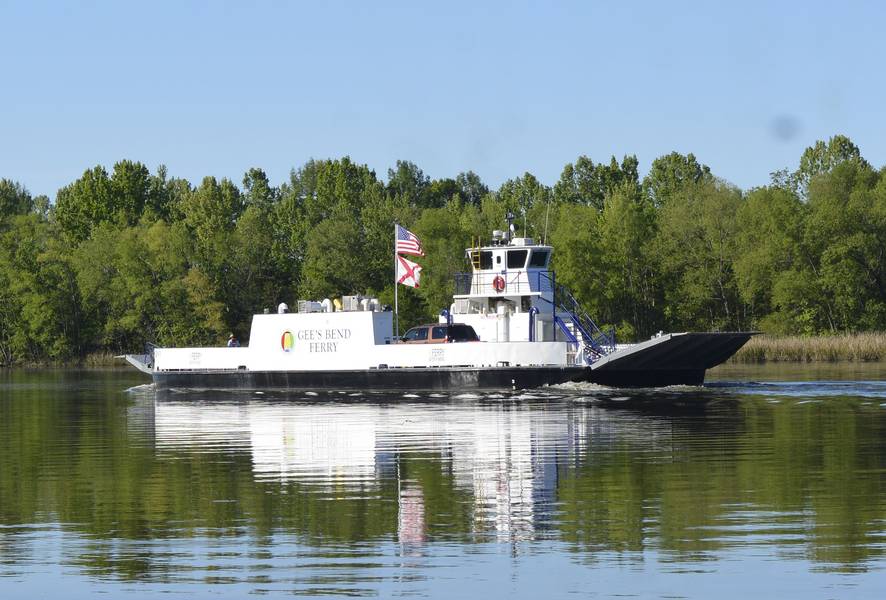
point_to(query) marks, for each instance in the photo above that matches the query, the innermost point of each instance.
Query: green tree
(444, 239)
(769, 254)
(627, 229)
(14, 200)
(121, 198)
(334, 260)
(471, 188)
(526, 198)
(695, 246)
(131, 190)
(587, 183)
(255, 278)
(138, 286)
(85, 203)
(210, 216)
(377, 219)
(348, 205)
(818, 159)
(257, 190)
(411, 184)
(846, 233)
(578, 258)
(823, 157)
(671, 174)
(40, 308)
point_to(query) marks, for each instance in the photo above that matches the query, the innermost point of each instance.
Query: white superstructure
(509, 294)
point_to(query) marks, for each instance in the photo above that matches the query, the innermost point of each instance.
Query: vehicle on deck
(436, 333)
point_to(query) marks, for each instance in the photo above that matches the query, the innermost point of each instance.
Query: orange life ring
(499, 283)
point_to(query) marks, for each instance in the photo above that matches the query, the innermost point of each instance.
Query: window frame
(522, 265)
(418, 334)
(539, 252)
(485, 259)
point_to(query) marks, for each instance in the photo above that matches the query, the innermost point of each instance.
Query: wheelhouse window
(517, 259)
(539, 258)
(486, 259)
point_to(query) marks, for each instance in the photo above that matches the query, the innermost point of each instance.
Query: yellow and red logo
(287, 341)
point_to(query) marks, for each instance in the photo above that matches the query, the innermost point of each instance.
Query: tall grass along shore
(856, 347)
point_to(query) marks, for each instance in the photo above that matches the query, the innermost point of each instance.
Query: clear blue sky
(212, 88)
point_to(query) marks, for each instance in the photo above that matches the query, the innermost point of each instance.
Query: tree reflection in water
(690, 475)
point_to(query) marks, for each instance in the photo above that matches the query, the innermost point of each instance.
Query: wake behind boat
(531, 329)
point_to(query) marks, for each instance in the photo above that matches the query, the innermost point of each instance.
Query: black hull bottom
(500, 378)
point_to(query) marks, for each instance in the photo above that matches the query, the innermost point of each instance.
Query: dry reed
(101, 359)
(855, 347)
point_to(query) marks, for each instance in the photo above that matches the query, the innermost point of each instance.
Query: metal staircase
(575, 323)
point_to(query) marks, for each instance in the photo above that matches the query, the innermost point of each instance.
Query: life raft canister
(499, 283)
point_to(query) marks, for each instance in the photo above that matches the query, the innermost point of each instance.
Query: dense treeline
(126, 256)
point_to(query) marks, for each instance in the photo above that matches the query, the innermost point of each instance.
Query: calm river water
(766, 483)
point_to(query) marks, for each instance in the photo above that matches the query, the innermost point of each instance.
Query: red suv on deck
(440, 333)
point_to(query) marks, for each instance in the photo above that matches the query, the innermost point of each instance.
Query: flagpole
(396, 308)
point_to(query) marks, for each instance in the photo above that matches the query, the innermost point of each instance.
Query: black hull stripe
(375, 379)
(501, 378)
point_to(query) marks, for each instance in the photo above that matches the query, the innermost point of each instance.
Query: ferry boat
(532, 332)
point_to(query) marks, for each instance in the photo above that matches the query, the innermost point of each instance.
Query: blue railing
(597, 342)
(565, 329)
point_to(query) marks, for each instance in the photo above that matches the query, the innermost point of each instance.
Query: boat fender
(499, 283)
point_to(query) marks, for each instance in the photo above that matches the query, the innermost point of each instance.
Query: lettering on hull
(322, 347)
(320, 341)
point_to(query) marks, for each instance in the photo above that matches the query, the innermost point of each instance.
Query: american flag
(407, 243)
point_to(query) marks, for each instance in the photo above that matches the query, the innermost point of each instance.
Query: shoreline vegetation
(124, 256)
(848, 347)
(96, 360)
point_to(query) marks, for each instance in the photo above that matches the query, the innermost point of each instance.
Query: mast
(396, 271)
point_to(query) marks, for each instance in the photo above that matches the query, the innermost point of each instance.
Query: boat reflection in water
(746, 487)
(503, 457)
(678, 477)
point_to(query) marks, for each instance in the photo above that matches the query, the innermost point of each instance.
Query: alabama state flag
(408, 272)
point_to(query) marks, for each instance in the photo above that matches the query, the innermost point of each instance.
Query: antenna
(547, 212)
(510, 219)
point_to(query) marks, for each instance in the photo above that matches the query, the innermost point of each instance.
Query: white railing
(512, 283)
